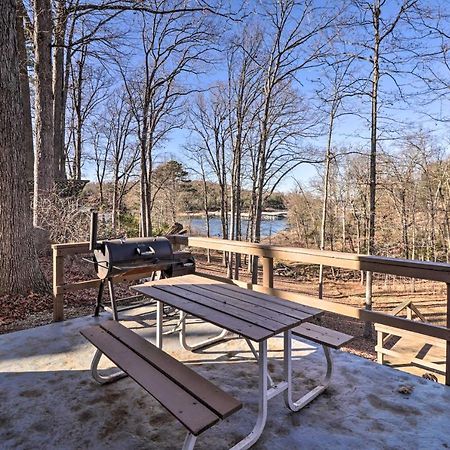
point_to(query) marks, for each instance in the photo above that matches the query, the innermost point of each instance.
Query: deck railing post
(267, 264)
(58, 280)
(447, 347)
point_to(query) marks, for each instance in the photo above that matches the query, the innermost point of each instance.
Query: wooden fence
(267, 253)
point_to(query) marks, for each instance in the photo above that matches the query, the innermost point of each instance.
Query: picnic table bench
(191, 399)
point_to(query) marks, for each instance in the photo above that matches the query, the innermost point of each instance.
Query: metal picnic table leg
(222, 337)
(159, 323)
(254, 435)
(312, 394)
(189, 442)
(103, 379)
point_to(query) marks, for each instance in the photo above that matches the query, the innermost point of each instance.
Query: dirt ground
(19, 312)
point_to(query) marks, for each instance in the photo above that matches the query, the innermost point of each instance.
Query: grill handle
(150, 251)
(93, 244)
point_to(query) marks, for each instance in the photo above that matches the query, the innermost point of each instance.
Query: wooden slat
(221, 306)
(283, 314)
(436, 367)
(417, 336)
(395, 266)
(226, 304)
(206, 392)
(239, 326)
(255, 309)
(288, 307)
(195, 416)
(322, 335)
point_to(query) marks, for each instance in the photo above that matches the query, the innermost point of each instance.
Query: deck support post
(267, 264)
(58, 280)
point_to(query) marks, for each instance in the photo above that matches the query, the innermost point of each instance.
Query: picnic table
(254, 316)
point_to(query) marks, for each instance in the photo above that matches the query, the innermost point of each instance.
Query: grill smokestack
(93, 245)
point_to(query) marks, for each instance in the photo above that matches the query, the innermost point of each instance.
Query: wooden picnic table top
(251, 314)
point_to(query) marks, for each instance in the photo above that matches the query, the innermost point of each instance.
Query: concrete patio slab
(49, 400)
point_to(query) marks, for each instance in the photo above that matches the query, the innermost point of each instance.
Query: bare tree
(173, 46)
(297, 40)
(87, 89)
(209, 121)
(336, 86)
(244, 88)
(383, 53)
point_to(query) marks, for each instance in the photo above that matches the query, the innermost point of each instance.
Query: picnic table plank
(321, 335)
(271, 302)
(219, 318)
(194, 415)
(258, 309)
(212, 300)
(206, 392)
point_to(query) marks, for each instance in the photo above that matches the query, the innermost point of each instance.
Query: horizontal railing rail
(267, 253)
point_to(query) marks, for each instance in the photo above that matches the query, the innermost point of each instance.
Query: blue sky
(349, 130)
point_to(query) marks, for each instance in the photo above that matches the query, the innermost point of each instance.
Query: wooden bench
(327, 339)
(191, 399)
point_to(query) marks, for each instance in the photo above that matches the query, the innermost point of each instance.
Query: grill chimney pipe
(93, 245)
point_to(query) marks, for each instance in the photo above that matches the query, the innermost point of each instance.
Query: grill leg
(113, 299)
(98, 305)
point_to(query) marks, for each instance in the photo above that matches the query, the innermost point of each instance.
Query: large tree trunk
(19, 267)
(26, 105)
(43, 165)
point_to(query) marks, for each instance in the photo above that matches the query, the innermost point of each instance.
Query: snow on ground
(49, 400)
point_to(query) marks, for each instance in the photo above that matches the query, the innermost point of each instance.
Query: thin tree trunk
(325, 200)
(26, 104)
(115, 201)
(19, 266)
(78, 106)
(143, 190)
(43, 164)
(373, 158)
(59, 92)
(206, 209)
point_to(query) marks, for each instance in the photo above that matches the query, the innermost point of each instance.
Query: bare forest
(146, 111)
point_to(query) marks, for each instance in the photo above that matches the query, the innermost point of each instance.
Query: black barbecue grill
(149, 256)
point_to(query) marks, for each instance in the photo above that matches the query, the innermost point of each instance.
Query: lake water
(268, 227)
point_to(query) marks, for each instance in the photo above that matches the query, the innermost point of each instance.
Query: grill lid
(115, 256)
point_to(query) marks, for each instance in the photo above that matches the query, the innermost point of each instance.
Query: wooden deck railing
(267, 253)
